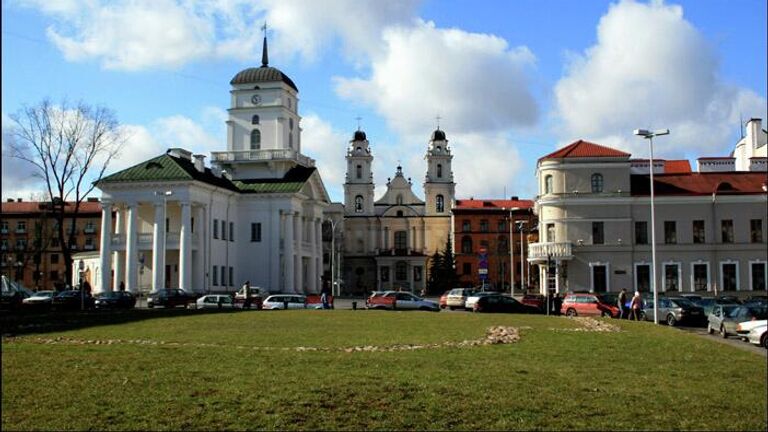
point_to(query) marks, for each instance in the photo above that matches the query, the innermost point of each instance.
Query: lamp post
(522, 257)
(649, 136)
(334, 224)
(165, 196)
(512, 251)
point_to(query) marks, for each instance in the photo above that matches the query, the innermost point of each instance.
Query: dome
(359, 136)
(262, 74)
(438, 135)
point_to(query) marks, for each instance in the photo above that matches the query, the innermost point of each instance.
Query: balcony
(144, 240)
(3, 230)
(262, 156)
(539, 252)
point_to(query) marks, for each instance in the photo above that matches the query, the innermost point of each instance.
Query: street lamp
(522, 257)
(334, 224)
(512, 251)
(649, 136)
(165, 196)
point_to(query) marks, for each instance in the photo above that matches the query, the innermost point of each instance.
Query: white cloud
(138, 35)
(425, 71)
(650, 68)
(18, 176)
(327, 146)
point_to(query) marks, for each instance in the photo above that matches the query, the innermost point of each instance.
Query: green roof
(161, 168)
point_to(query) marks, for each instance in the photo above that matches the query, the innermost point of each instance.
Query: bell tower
(359, 187)
(439, 187)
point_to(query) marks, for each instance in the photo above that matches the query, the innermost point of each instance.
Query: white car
(278, 301)
(745, 327)
(759, 335)
(214, 301)
(40, 297)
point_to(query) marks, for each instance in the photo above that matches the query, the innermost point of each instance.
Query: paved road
(731, 340)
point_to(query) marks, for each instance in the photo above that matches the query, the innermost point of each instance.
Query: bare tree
(70, 148)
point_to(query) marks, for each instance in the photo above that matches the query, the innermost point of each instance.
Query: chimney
(180, 153)
(753, 127)
(514, 198)
(18, 199)
(9, 200)
(199, 162)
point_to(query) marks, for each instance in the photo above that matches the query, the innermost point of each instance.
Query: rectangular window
(729, 274)
(700, 277)
(231, 276)
(215, 228)
(670, 232)
(671, 277)
(597, 233)
(231, 231)
(550, 233)
(21, 227)
(4, 227)
(224, 230)
(484, 225)
(54, 275)
(167, 224)
(643, 277)
(698, 231)
(401, 240)
(599, 278)
(401, 271)
(466, 226)
(726, 226)
(215, 276)
(467, 269)
(192, 225)
(757, 270)
(756, 230)
(502, 225)
(385, 274)
(641, 232)
(54, 258)
(223, 276)
(256, 232)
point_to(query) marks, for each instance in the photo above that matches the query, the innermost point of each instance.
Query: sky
(510, 81)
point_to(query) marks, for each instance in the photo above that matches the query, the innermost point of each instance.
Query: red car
(444, 300)
(535, 300)
(587, 304)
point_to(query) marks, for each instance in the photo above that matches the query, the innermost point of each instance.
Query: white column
(185, 248)
(105, 255)
(312, 272)
(158, 248)
(557, 276)
(118, 263)
(198, 263)
(131, 260)
(318, 253)
(274, 245)
(299, 269)
(288, 252)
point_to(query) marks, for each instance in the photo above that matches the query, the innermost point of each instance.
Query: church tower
(439, 187)
(358, 187)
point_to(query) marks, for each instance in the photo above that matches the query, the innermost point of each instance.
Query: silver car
(759, 335)
(674, 310)
(726, 318)
(214, 301)
(457, 298)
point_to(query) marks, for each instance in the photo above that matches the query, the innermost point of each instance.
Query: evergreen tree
(435, 274)
(450, 279)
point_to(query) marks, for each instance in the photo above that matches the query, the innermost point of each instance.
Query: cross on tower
(438, 121)
(264, 28)
(358, 118)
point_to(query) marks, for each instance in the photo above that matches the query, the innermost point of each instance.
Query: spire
(264, 53)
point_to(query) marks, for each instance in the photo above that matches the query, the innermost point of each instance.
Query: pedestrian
(635, 306)
(122, 286)
(324, 296)
(247, 294)
(621, 303)
(87, 288)
(557, 303)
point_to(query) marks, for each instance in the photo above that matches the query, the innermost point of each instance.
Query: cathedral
(388, 243)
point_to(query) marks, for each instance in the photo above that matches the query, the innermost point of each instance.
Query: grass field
(245, 370)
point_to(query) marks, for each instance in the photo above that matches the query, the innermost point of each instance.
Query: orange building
(29, 248)
(481, 233)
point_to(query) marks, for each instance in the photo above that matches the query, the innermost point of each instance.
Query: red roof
(677, 166)
(491, 204)
(34, 207)
(726, 183)
(585, 149)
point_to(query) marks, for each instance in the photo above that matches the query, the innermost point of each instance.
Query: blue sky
(511, 80)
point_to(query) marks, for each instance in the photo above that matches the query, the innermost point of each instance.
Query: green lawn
(207, 374)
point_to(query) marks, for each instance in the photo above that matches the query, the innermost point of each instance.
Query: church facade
(388, 242)
(256, 214)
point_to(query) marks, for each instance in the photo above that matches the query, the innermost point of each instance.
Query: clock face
(256, 99)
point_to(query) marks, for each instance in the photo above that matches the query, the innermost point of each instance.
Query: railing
(262, 155)
(144, 238)
(542, 251)
(21, 230)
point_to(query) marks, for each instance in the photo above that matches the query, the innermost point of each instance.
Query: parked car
(535, 300)
(13, 294)
(744, 328)
(215, 301)
(730, 318)
(170, 298)
(115, 300)
(401, 300)
(40, 298)
(728, 299)
(576, 304)
(256, 298)
(72, 300)
(471, 300)
(444, 300)
(674, 310)
(278, 301)
(759, 335)
(502, 303)
(457, 298)
(692, 297)
(757, 300)
(716, 318)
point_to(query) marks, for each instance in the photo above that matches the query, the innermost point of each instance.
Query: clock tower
(359, 187)
(439, 187)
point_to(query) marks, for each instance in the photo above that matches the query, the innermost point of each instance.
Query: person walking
(324, 296)
(247, 294)
(621, 303)
(557, 303)
(636, 306)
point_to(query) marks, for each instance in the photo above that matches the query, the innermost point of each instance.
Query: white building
(255, 214)
(388, 242)
(594, 221)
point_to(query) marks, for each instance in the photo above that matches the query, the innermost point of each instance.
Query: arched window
(597, 183)
(439, 171)
(466, 245)
(290, 123)
(399, 213)
(399, 200)
(439, 204)
(359, 171)
(359, 204)
(548, 184)
(439, 149)
(255, 139)
(290, 139)
(255, 119)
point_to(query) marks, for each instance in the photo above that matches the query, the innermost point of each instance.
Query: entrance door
(599, 278)
(168, 276)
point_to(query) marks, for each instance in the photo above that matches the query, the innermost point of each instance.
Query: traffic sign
(482, 271)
